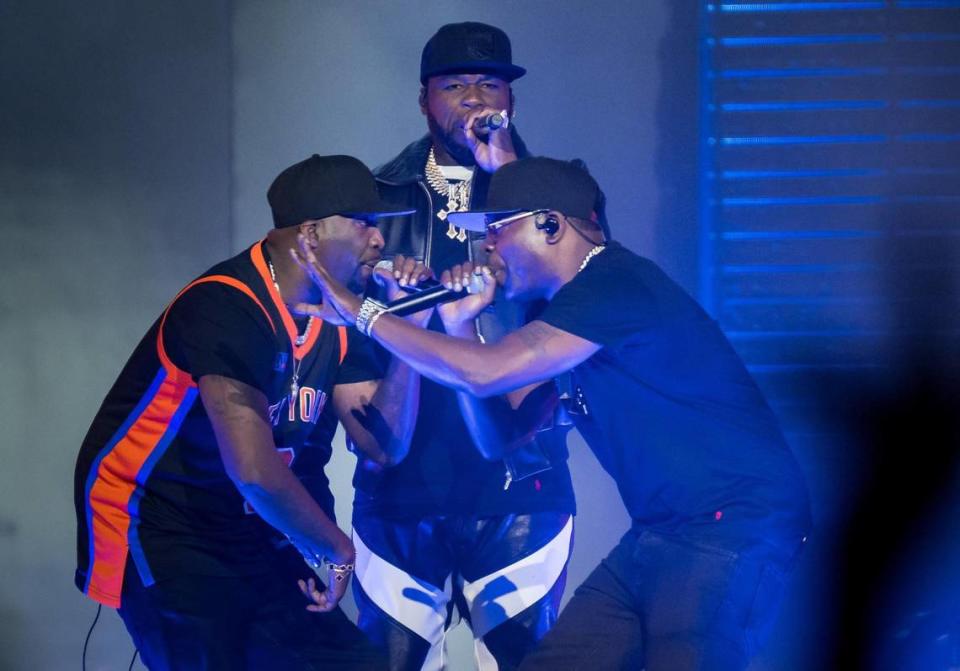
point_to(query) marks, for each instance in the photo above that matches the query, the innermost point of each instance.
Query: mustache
(459, 152)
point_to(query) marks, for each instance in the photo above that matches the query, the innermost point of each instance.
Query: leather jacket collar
(408, 165)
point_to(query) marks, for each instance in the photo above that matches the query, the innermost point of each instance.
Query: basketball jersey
(150, 485)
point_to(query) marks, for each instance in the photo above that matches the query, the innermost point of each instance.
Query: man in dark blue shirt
(718, 502)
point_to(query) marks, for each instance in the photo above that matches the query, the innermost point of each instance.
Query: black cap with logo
(539, 183)
(469, 48)
(322, 186)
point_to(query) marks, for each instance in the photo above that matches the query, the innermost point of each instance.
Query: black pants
(259, 622)
(660, 604)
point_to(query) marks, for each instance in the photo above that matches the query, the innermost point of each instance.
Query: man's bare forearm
(381, 426)
(238, 415)
(286, 505)
(465, 365)
(398, 399)
(490, 421)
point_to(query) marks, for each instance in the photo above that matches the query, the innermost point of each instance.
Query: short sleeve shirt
(672, 413)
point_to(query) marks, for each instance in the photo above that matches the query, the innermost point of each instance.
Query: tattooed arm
(533, 353)
(379, 415)
(238, 413)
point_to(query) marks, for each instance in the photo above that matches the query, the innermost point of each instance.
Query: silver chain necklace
(458, 195)
(593, 252)
(302, 337)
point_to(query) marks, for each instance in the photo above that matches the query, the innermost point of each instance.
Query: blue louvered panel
(830, 173)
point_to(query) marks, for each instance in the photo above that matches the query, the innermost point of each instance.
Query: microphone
(427, 294)
(421, 300)
(492, 121)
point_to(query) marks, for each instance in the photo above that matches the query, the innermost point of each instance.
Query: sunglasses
(495, 225)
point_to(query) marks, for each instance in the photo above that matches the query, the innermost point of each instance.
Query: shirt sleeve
(606, 303)
(361, 363)
(214, 329)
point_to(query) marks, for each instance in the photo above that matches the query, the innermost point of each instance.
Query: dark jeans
(237, 624)
(663, 604)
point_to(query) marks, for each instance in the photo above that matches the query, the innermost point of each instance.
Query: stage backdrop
(114, 190)
(137, 142)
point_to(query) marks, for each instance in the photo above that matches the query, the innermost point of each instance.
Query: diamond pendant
(294, 388)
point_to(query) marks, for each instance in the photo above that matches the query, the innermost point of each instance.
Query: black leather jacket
(401, 181)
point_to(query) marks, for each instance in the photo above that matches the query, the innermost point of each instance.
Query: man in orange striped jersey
(199, 488)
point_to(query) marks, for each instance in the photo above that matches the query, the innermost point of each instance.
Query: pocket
(646, 538)
(683, 587)
(766, 604)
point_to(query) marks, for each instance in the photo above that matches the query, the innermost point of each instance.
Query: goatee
(458, 152)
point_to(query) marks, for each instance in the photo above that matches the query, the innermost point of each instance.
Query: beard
(357, 285)
(358, 282)
(458, 152)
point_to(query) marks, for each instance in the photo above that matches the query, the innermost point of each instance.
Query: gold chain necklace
(458, 195)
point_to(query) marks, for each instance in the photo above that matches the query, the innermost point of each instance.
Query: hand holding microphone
(469, 290)
(402, 274)
(428, 292)
(492, 121)
(491, 148)
(477, 287)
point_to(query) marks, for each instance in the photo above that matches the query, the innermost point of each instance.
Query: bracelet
(373, 320)
(370, 309)
(340, 572)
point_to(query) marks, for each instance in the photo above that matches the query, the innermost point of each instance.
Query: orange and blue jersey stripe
(119, 471)
(117, 480)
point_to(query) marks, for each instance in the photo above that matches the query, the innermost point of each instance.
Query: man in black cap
(202, 474)
(718, 502)
(499, 532)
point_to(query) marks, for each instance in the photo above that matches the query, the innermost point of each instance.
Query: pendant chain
(301, 338)
(458, 195)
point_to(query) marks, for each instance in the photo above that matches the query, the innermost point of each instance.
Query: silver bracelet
(373, 320)
(340, 572)
(370, 309)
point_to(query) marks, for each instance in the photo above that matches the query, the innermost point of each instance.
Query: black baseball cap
(539, 183)
(469, 48)
(322, 186)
